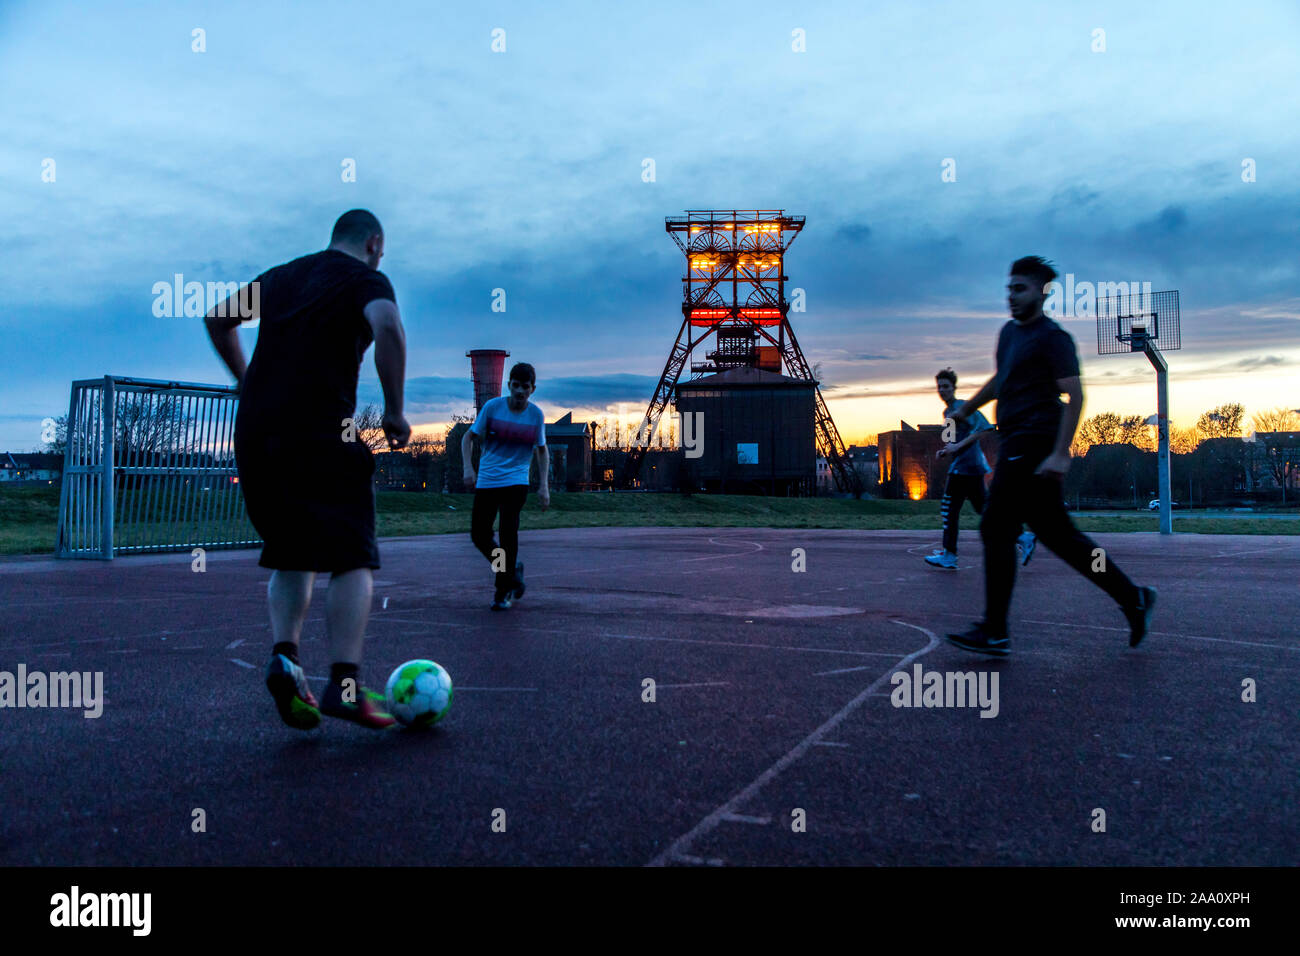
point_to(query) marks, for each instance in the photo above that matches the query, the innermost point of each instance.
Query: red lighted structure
(734, 287)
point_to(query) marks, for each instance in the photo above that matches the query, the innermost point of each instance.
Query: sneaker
(502, 602)
(519, 580)
(1026, 544)
(1140, 616)
(981, 642)
(944, 559)
(293, 698)
(367, 710)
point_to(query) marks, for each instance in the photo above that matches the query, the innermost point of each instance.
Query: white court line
(844, 670)
(677, 851)
(1233, 554)
(233, 644)
(730, 554)
(34, 648)
(396, 619)
(830, 743)
(765, 647)
(741, 818)
(1185, 637)
(236, 660)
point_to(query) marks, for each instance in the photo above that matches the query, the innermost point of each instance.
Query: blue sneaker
(981, 642)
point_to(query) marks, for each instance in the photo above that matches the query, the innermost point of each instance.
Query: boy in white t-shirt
(512, 431)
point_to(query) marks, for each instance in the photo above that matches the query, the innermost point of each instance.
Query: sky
(928, 145)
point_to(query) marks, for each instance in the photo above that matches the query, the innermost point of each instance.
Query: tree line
(1225, 421)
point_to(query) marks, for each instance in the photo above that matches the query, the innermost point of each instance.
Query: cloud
(438, 397)
(1170, 219)
(1259, 361)
(598, 391)
(854, 234)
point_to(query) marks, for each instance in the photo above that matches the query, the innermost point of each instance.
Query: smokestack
(486, 369)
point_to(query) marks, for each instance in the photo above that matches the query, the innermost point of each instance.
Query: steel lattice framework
(734, 287)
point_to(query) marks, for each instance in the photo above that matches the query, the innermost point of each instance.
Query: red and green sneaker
(367, 710)
(293, 698)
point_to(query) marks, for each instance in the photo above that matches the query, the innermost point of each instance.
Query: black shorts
(310, 497)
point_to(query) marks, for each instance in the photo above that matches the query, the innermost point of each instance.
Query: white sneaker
(946, 560)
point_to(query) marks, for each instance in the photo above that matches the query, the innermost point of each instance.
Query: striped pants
(958, 490)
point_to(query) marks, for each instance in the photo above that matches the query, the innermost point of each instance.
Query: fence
(150, 467)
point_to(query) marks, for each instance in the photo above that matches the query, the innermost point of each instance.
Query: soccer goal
(150, 467)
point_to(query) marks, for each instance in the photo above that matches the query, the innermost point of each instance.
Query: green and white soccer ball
(419, 693)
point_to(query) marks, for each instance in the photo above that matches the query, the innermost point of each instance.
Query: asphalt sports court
(772, 706)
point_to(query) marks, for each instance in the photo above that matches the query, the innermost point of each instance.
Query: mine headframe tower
(734, 287)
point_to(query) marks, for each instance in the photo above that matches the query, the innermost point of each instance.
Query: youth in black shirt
(1036, 362)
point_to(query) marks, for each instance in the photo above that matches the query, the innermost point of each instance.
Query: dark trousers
(959, 490)
(1019, 496)
(509, 502)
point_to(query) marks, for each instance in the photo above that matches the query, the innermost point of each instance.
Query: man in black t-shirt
(1036, 362)
(304, 472)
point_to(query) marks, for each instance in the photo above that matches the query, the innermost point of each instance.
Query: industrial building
(907, 462)
(755, 434)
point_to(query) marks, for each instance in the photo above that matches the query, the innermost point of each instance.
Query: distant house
(1274, 460)
(577, 439)
(401, 471)
(862, 459)
(570, 446)
(34, 466)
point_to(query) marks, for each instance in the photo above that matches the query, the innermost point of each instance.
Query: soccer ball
(419, 693)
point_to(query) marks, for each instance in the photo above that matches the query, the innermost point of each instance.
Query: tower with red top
(734, 292)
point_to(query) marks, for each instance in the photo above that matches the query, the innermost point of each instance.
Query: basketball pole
(1162, 431)
(1124, 325)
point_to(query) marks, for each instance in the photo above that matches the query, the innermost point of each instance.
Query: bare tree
(1103, 429)
(1183, 441)
(1274, 420)
(152, 430)
(1222, 422)
(424, 444)
(668, 431)
(1133, 430)
(370, 428)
